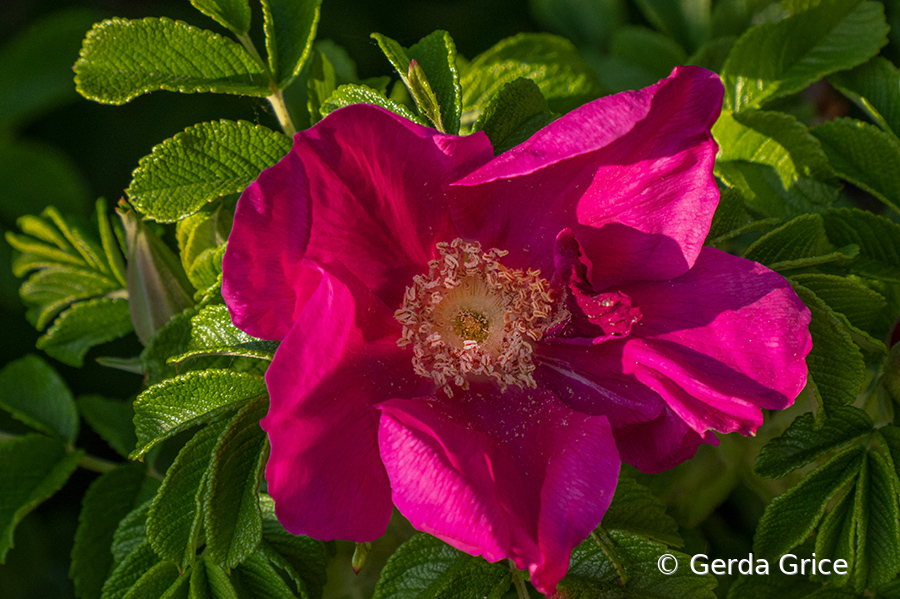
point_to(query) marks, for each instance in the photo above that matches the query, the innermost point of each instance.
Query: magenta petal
(506, 475)
(324, 471)
(630, 174)
(649, 435)
(720, 343)
(365, 188)
(265, 282)
(377, 192)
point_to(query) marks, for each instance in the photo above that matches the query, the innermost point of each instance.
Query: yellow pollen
(471, 318)
(471, 325)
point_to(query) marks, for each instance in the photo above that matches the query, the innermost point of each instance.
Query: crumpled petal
(365, 188)
(589, 379)
(630, 174)
(720, 343)
(339, 359)
(513, 475)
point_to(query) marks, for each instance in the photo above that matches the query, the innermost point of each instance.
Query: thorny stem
(519, 583)
(606, 546)
(277, 97)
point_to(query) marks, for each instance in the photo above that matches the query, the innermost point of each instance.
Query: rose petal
(377, 185)
(630, 174)
(720, 343)
(507, 475)
(365, 188)
(264, 282)
(340, 358)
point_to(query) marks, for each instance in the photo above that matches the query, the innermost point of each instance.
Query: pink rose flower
(479, 341)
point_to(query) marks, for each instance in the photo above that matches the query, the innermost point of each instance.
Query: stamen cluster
(471, 317)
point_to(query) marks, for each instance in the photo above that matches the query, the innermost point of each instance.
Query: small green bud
(359, 556)
(158, 288)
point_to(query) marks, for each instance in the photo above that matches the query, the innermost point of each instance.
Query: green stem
(606, 546)
(94, 464)
(518, 582)
(247, 43)
(281, 113)
(88, 462)
(277, 97)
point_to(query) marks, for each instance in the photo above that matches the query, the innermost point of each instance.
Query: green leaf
(57, 287)
(200, 164)
(128, 571)
(517, 112)
(634, 509)
(122, 59)
(772, 138)
(426, 567)
(436, 55)
(301, 558)
(783, 57)
(878, 240)
(756, 146)
(798, 243)
(890, 437)
(426, 100)
(209, 581)
(35, 66)
(213, 332)
(112, 250)
(108, 500)
(860, 304)
(592, 574)
(764, 192)
(32, 468)
(805, 440)
(685, 20)
(864, 155)
(155, 582)
(86, 247)
(130, 534)
(85, 325)
(233, 15)
(255, 578)
(171, 340)
(351, 93)
(875, 88)
(175, 517)
(111, 419)
(232, 516)
(775, 584)
(32, 391)
(878, 525)
(321, 82)
(837, 536)
(207, 229)
(290, 29)
(188, 400)
(553, 63)
(835, 363)
(206, 269)
(792, 516)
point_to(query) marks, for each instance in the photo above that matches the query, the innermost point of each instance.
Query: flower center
(471, 317)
